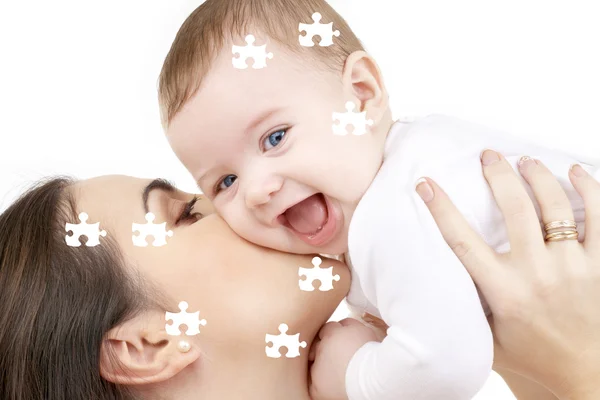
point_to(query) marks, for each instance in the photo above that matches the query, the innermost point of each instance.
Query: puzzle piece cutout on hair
(91, 231)
(325, 275)
(191, 320)
(158, 231)
(324, 31)
(258, 53)
(291, 342)
(357, 119)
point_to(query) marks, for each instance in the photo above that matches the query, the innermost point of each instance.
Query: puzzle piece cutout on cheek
(325, 275)
(258, 53)
(324, 31)
(291, 342)
(91, 231)
(191, 320)
(357, 119)
(158, 231)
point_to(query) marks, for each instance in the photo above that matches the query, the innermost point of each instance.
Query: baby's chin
(334, 250)
(338, 245)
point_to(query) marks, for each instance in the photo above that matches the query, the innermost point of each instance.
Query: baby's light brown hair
(204, 33)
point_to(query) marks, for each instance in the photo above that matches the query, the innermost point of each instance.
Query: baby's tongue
(308, 215)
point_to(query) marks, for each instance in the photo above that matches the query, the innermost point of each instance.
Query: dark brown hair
(205, 31)
(57, 302)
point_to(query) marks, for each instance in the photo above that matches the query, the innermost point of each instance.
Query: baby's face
(259, 143)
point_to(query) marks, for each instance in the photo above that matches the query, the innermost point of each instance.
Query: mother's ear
(140, 352)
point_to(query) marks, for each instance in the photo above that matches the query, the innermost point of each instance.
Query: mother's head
(89, 322)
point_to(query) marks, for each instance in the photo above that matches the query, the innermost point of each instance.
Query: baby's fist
(336, 344)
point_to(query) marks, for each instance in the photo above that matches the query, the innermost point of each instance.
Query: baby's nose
(257, 197)
(260, 193)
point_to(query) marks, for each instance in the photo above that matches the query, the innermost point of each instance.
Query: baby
(259, 141)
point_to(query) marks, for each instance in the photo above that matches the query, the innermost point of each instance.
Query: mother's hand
(544, 296)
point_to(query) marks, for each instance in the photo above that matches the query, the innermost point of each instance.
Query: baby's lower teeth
(315, 234)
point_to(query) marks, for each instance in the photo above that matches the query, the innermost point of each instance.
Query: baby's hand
(336, 344)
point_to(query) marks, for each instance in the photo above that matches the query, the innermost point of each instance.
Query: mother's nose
(204, 205)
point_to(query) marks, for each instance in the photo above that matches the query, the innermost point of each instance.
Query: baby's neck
(383, 129)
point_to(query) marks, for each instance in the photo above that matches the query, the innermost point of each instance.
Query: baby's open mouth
(309, 216)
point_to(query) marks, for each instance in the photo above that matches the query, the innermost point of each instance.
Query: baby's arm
(439, 344)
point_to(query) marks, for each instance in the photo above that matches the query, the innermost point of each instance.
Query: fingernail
(489, 157)
(525, 162)
(578, 171)
(424, 190)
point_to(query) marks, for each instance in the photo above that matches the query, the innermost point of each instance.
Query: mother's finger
(477, 257)
(552, 199)
(520, 217)
(589, 189)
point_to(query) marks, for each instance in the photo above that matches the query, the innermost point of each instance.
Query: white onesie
(439, 345)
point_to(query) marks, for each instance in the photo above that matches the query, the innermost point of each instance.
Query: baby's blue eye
(274, 139)
(227, 182)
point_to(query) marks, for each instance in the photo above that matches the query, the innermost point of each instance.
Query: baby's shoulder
(435, 141)
(450, 131)
(446, 149)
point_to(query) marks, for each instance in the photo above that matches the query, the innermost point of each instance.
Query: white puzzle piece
(325, 275)
(258, 53)
(158, 231)
(356, 119)
(324, 31)
(291, 342)
(191, 320)
(91, 231)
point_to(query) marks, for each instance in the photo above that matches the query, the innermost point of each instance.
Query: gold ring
(563, 235)
(567, 230)
(560, 224)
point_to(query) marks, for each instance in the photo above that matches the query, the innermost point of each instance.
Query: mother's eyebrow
(160, 184)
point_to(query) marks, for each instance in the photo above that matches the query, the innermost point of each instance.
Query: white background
(78, 79)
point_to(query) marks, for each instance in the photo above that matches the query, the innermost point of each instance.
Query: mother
(89, 322)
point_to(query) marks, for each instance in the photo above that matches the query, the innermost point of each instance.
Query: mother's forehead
(110, 197)
(107, 186)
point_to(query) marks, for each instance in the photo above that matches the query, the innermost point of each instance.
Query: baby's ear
(139, 352)
(363, 81)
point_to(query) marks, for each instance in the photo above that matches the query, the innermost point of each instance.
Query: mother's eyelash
(186, 212)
